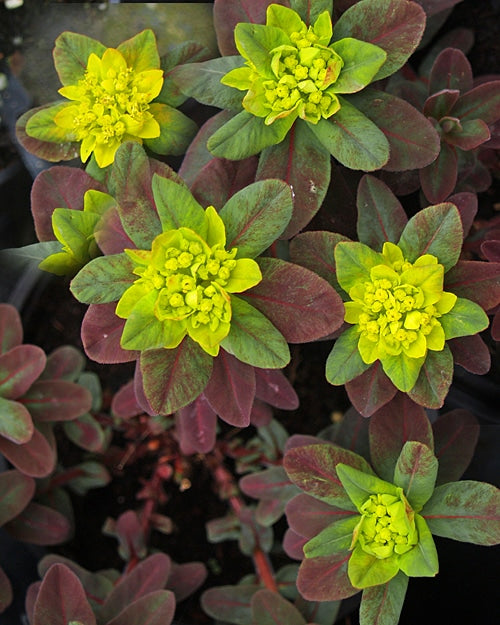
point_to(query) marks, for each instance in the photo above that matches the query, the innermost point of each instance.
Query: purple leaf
(101, 334)
(313, 469)
(196, 427)
(325, 578)
(229, 602)
(130, 534)
(381, 217)
(466, 204)
(451, 70)
(61, 599)
(64, 363)
(271, 483)
(185, 578)
(261, 414)
(19, 368)
(40, 525)
(434, 379)
(471, 353)
(6, 594)
(17, 491)
(482, 102)
(156, 608)
(231, 389)
(455, 437)
(11, 329)
(302, 162)
(36, 457)
(438, 179)
(270, 608)
(441, 103)
(293, 545)
(307, 516)
(301, 305)
(110, 235)
(472, 134)
(57, 400)
(272, 387)
(401, 420)
(477, 281)
(86, 432)
(413, 141)
(371, 390)
(124, 404)
(58, 187)
(173, 378)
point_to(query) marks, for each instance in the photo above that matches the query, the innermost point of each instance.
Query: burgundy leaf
(451, 70)
(229, 602)
(36, 457)
(303, 306)
(300, 440)
(101, 334)
(436, 6)
(124, 403)
(16, 424)
(491, 250)
(307, 516)
(293, 545)
(261, 414)
(270, 483)
(173, 378)
(471, 353)
(61, 599)
(482, 102)
(371, 390)
(58, 187)
(185, 578)
(86, 432)
(220, 179)
(19, 368)
(475, 280)
(273, 387)
(110, 235)
(16, 491)
(64, 363)
(156, 608)
(434, 379)
(325, 578)
(196, 427)
(6, 594)
(129, 531)
(455, 437)
(472, 134)
(228, 13)
(57, 400)
(303, 163)
(40, 525)
(270, 608)
(231, 389)
(11, 329)
(441, 103)
(466, 204)
(148, 576)
(438, 179)
(399, 421)
(413, 141)
(30, 599)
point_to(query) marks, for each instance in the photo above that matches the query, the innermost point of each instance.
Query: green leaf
(202, 81)
(435, 230)
(31, 254)
(16, 424)
(177, 207)
(335, 538)
(75, 230)
(230, 603)
(140, 51)
(464, 319)
(352, 138)
(381, 217)
(361, 62)
(416, 471)
(402, 370)
(434, 379)
(382, 605)
(17, 490)
(360, 485)
(270, 608)
(422, 560)
(173, 378)
(71, 54)
(354, 261)
(103, 279)
(467, 511)
(366, 570)
(176, 130)
(253, 339)
(344, 363)
(287, 19)
(255, 216)
(245, 135)
(255, 42)
(41, 125)
(48, 150)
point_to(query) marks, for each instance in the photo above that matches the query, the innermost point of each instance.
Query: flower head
(300, 72)
(185, 283)
(111, 104)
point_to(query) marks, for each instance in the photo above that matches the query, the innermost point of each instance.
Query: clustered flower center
(303, 71)
(103, 103)
(387, 526)
(190, 278)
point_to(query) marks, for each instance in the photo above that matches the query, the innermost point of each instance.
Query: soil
(52, 318)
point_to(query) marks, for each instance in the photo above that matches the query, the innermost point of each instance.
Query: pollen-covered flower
(112, 104)
(184, 285)
(397, 310)
(296, 70)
